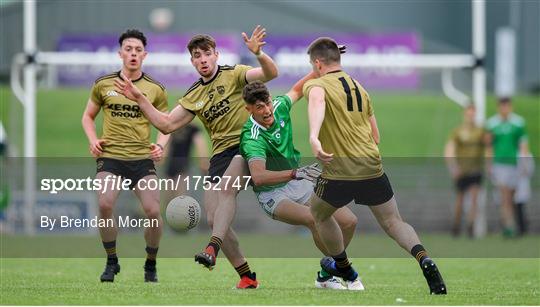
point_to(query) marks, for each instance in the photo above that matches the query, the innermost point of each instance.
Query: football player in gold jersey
(216, 99)
(464, 153)
(124, 150)
(344, 135)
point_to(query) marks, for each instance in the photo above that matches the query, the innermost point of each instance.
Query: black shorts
(369, 192)
(134, 170)
(220, 162)
(465, 182)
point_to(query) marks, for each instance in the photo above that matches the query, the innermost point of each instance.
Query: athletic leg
(152, 235)
(387, 214)
(107, 197)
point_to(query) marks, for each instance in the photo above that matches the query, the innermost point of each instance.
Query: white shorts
(505, 175)
(298, 191)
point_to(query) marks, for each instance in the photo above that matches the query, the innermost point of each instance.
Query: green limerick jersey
(506, 136)
(274, 145)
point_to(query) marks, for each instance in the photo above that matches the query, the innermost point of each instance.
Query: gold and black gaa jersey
(126, 130)
(219, 105)
(346, 130)
(469, 146)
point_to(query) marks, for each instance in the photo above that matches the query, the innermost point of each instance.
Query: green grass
(283, 282)
(291, 245)
(411, 125)
(53, 270)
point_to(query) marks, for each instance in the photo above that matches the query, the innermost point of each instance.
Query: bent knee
(106, 205)
(349, 223)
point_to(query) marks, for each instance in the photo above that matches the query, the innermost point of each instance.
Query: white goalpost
(28, 62)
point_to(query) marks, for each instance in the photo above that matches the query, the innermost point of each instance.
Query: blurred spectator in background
(523, 190)
(178, 156)
(464, 153)
(4, 187)
(506, 138)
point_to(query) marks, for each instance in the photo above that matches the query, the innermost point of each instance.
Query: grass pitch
(388, 281)
(287, 274)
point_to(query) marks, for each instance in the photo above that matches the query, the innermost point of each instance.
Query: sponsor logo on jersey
(124, 110)
(217, 110)
(112, 94)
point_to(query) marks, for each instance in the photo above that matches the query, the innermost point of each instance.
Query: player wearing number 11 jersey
(344, 135)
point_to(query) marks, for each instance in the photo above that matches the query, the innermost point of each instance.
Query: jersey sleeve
(251, 148)
(95, 94)
(240, 74)
(522, 133)
(282, 105)
(309, 85)
(186, 103)
(161, 103)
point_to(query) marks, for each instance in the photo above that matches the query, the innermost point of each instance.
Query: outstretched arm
(295, 93)
(268, 69)
(164, 122)
(261, 176)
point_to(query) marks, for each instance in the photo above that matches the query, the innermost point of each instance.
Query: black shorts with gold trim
(369, 192)
(134, 170)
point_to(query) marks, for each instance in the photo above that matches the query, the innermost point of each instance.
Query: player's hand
(255, 42)
(309, 172)
(320, 154)
(125, 87)
(156, 152)
(342, 49)
(96, 148)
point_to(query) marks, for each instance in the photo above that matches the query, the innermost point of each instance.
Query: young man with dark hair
(283, 187)
(464, 153)
(216, 98)
(124, 150)
(506, 140)
(344, 136)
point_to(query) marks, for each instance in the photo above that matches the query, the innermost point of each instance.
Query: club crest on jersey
(282, 123)
(221, 89)
(199, 104)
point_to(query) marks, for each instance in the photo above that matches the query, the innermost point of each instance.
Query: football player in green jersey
(216, 99)
(507, 138)
(281, 186)
(124, 149)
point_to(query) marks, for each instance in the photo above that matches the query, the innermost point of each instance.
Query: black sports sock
(243, 270)
(151, 253)
(110, 248)
(419, 253)
(215, 243)
(342, 262)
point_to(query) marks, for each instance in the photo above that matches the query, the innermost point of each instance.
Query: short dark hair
(325, 50)
(505, 100)
(201, 41)
(255, 91)
(132, 33)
